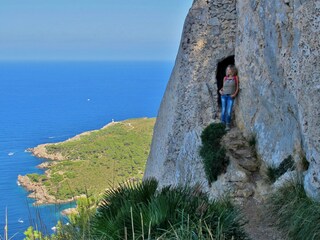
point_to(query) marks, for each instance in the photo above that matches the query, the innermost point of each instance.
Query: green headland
(91, 162)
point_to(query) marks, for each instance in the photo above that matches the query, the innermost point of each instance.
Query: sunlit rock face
(190, 101)
(275, 44)
(277, 52)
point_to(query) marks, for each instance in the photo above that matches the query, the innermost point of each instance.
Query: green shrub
(56, 178)
(213, 154)
(297, 215)
(32, 234)
(139, 211)
(70, 174)
(274, 173)
(252, 140)
(35, 177)
(52, 149)
(304, 163)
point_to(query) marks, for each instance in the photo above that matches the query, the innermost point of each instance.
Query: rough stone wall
(276, 47)
(277, 52)
(190, 100)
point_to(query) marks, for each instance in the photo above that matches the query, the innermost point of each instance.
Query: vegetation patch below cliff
(140, 211)
(297, 215)
(99, 159)
(275, 172)
(212, 153)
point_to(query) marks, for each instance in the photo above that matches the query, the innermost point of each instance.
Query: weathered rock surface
(277, 53)
(276, 47)
(190, 101)
(246, 187)
(239, 181)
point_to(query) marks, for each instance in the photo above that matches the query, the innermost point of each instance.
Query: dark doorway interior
(221, 72)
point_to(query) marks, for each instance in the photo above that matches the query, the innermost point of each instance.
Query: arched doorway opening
(221, 72)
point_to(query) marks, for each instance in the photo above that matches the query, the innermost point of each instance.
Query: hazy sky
(91, 29)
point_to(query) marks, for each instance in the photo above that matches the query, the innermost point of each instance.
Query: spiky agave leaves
(139, 211)
(113, 217)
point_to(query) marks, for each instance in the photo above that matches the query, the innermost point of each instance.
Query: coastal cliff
(275, 46)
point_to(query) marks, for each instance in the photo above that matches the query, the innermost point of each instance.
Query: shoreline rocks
(37, 190)
(41, 152)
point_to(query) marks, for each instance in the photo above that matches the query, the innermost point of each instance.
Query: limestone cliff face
(190, 100)
(277, 52)
(275, 44)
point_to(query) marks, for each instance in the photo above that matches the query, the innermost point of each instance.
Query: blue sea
(42, 102)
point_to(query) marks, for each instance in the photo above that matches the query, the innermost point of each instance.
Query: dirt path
(260, 224)
(259, 227)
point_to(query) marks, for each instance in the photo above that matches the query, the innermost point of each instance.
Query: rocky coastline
(37, 190)
(41, 152)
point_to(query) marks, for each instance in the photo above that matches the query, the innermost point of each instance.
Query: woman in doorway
(228, 93)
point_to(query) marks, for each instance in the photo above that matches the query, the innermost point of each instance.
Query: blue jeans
(226, 108)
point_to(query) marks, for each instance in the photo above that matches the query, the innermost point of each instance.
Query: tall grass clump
(140, 211)
(274, 173)
(78, 226)
(213, 154)
(297, 215)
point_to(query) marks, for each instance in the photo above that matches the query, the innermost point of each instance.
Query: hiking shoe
(227, 127)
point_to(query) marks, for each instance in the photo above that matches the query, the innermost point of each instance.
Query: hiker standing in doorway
(228, 93)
